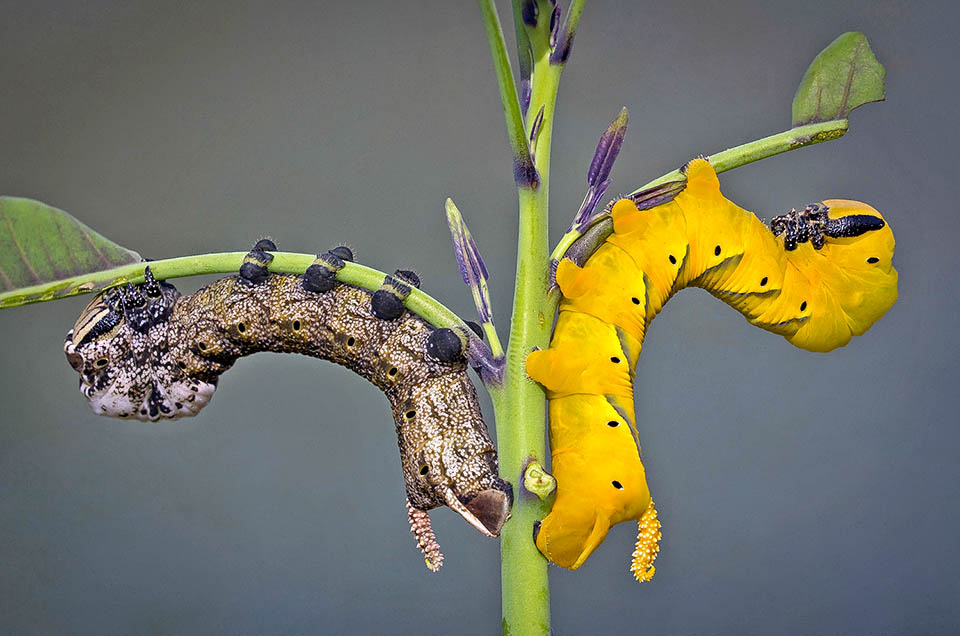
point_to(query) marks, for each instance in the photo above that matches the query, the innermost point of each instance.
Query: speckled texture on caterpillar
(148, 353)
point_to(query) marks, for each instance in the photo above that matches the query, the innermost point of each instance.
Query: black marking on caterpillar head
(131, 297)
(254, 268)
(394, 286)
(141, 311)
(265, 245)
(104, 316)
(445, 345)
(536, 530)
(150, 284)
(333, 259)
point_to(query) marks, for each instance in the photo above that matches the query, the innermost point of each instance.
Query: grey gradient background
(799, 493)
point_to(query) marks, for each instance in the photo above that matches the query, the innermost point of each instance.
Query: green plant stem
(508, 94)
(520, 403)
(798, 137)
(223, 263)
(520, 416)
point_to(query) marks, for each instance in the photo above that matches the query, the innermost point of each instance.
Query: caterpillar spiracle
(816, 277)
(146, 352)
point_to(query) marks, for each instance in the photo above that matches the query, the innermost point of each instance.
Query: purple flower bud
(525, 57)
(526, 91)
(657, 195)
(525, 174)
(561, 37)
(489, 368)
(476, 262)
(528, 12)
(535, 129)
(607, 149)
(473, 271)
(554, 25)
(598, 175)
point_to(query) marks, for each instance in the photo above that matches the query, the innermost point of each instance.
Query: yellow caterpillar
(816, 277)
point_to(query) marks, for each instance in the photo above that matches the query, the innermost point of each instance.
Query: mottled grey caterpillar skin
(146, 352)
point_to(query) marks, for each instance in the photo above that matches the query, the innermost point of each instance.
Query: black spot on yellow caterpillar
(146, 352)
(816, 277)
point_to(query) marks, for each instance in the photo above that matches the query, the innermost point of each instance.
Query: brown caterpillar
(146, 352)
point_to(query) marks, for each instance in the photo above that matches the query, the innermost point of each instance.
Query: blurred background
(799, 493)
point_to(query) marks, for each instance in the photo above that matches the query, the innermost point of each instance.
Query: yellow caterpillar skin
(817, 291)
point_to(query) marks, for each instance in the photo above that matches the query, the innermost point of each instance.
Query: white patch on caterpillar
(122, 387)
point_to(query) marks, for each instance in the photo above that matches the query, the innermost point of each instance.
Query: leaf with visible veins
(844, 76)
(41, 244)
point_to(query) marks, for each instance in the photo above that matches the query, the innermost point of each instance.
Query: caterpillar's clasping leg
(426, 540)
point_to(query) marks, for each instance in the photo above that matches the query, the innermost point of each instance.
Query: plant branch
(741, 155)
(368, 278)
(792, 139)
(520, 404)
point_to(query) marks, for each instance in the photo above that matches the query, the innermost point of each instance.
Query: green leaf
(842, 77)
(41, 244)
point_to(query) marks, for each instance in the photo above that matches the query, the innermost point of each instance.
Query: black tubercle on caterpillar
(387, 302)
(445, 345)
(321, 276)
(475, 328)
(813, 223)
(146, 352)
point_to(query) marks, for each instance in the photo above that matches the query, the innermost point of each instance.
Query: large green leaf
(41, 244)
(842, 77)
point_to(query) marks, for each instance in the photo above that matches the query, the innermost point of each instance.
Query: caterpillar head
(120, 348)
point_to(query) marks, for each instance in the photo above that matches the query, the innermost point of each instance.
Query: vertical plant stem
(520, 403)
(521, 413)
